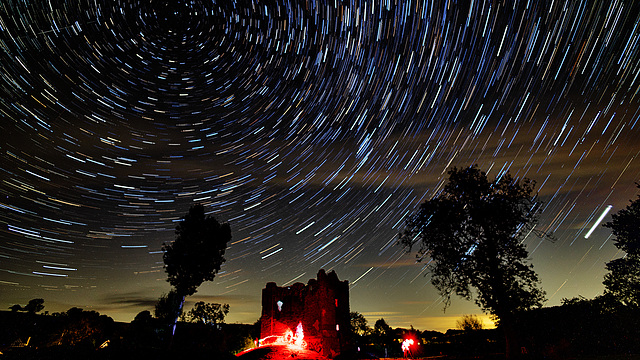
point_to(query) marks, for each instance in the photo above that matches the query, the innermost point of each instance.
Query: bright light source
(288, 338)
(604, 213)
(406, 344)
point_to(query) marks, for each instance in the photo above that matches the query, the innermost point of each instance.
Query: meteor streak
(604, 213)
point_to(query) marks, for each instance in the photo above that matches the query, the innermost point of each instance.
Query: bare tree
(469, 322)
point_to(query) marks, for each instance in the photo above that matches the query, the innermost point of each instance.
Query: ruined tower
(321, 306)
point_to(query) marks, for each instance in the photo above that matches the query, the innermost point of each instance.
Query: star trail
(314, 128)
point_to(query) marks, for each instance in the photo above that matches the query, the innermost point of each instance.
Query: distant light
(604, 213)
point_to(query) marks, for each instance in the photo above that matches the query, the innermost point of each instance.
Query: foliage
(144, 317)
(146, 331)
(237, 337)
(625, 227)
(381, 328)
(381, 336)
(472, 231)
(208, 313)
(168, 307)
(198, 251)
(623, 280)
(196, 254)
(359, 324)
(78, 334)
(469, 323)
(581, 328)
(84, 328)
(34, 306)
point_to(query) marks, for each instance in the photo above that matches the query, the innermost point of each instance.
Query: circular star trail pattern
(313, 128)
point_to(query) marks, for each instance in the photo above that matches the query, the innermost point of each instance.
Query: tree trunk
(175, 322)
(512, 339)
(502, 306)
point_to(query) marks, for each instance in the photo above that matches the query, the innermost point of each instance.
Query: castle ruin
(321, 306)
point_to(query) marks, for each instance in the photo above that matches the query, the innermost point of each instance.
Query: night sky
(314, 129)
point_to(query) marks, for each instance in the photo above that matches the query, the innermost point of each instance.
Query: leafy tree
(472, 234)
(382, 334)
(143, 318)
(85, 328)
(359, 324)
(144, 331)
(208, 313)
(623, 280)
(168, 307)
(34, 306)
(196, 254)
(381, 328)
(469, 323)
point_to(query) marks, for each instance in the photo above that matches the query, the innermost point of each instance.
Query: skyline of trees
(472, 231)
(32, 307)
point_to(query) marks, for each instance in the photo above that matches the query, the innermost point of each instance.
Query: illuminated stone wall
(322, 306)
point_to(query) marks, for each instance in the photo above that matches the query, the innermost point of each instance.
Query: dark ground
(582, 331)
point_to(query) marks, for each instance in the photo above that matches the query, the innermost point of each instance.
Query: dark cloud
(129, 300)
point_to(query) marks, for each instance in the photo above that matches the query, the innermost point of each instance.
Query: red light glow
(288, 338)
(406, 346)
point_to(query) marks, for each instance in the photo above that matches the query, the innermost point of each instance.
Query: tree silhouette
(359, 324)
(623, 280)
(469, 323)
(196, 254)
(381, 328)
(34, 306)
(143, 331)
(208, 313)
(77, 327)
(472, 234)
(143, 317)
(168, 307)
(382, 335)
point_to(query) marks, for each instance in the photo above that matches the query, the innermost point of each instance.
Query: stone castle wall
(321, 306)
